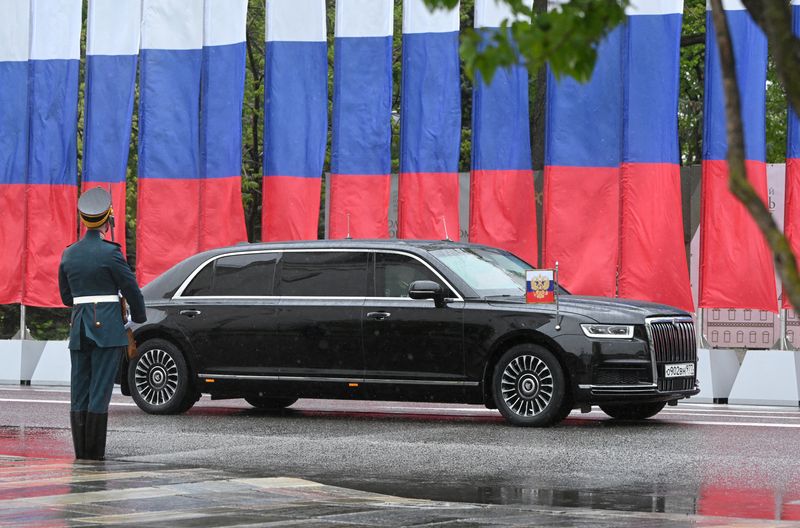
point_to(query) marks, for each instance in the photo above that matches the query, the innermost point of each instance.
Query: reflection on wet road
(704, 465)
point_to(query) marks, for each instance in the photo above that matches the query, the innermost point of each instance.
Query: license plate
(679, 370)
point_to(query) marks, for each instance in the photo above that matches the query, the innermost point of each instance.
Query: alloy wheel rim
(156, 377)
(527, 385)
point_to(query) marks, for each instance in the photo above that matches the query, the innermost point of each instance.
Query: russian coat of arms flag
(540, 286)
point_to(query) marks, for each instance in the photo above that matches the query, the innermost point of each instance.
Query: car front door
(407, 339)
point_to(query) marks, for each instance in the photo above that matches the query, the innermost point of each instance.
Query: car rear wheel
(265, 403)
(637, 411)
(530, 387)
(159, 379)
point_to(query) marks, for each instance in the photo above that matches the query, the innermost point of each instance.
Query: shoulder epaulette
(110, 242)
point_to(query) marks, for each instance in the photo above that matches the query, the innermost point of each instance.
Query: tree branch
(774, 17)
(740, 186)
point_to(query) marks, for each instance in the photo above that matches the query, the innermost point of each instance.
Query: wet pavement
(335, 463)
(54, 492)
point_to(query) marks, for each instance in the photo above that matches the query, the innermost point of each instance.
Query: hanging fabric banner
(583, 147)
(502, 196)
(112, 49)
(362, 134)
(791, 211)
(14, 53)
(52, 190)
(652, 263)
(736, 269)
(168, 210)
(222, 94)
(430, 124)
(295, 118)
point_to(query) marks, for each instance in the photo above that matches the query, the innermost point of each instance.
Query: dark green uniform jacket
(93, 266)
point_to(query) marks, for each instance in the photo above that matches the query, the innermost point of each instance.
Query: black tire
(265, 403)
(529, 387)
(159, 379)
(633, 411)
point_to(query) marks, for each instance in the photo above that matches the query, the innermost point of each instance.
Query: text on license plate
(679, 370)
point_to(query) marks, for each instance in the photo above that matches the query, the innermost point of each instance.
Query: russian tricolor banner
(189, 174)
(14, 54)
(38, 150)
(736, 269)
(652, 262)
(583, 148)
(791, 212)
(502, 195)
(169, 208)
(112, 50)
(430, 124)
(222, 94)
(362, 134)
(295, 118)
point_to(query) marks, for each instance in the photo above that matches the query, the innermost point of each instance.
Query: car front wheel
(637, 411)
(530, 387)
(159, 379)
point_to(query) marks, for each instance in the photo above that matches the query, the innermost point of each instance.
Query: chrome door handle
(190, 313)
(380, 316)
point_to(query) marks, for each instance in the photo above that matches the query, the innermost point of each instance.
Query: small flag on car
(540, 286)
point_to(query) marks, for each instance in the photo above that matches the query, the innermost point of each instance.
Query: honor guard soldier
(90, 277)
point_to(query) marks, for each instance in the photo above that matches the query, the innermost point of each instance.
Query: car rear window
(245, 275)
(323, 274)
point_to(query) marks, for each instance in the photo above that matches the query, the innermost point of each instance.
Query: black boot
(77, 421)
(96, 424)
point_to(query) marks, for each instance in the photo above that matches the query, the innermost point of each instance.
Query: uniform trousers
(94, 370)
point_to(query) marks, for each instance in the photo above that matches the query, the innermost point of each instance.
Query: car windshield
(490, 272)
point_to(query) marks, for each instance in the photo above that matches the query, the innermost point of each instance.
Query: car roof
(166, 284)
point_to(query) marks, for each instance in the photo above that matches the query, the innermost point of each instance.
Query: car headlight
(604, 331)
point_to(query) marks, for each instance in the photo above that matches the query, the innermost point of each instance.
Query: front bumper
(642, 392)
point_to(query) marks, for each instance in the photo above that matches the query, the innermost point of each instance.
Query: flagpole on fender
(555, 288)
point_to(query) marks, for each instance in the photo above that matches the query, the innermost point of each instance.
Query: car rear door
(318, 321)
(228, 313)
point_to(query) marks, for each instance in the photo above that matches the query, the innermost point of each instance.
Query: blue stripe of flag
(362, 105)
(169, 114)
(584, 124)
(431, 103)
(750, 52)
(14, 119)
(222, 93)
(54, 122)
(296, 108)
(110, 81)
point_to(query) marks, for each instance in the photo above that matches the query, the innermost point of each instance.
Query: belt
(90, 299)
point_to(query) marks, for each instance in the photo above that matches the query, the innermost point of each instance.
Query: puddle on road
(709, 500)
(36, 442)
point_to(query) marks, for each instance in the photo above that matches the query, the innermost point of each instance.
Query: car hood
(600, 309)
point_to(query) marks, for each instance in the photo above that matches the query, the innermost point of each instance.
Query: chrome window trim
(179, 293)
(338, 380)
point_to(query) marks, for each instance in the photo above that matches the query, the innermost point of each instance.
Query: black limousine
(399, 320)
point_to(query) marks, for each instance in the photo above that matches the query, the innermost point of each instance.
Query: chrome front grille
(672, 339)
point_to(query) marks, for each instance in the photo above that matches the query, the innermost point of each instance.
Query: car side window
(394, 273)
(245, 275)
(323, 274)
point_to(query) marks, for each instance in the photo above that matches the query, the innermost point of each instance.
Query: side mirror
(424, 289)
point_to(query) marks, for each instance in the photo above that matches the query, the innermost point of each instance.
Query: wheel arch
(520, 338)
(173, 338)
